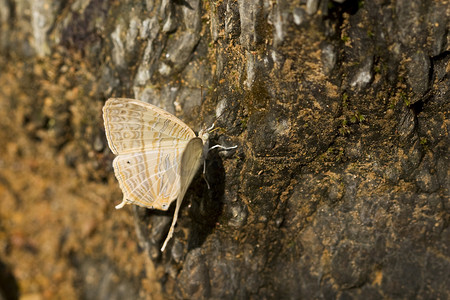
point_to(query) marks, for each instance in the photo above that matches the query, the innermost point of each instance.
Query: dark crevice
(417, 107)
(9, 288)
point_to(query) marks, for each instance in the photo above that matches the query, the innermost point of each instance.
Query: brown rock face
(339, 187)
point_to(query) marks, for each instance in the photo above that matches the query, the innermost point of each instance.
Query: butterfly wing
(133, 126)
(190, 162)
(149, 143)
(149, 179)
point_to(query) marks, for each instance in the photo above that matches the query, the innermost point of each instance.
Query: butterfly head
(204, 133)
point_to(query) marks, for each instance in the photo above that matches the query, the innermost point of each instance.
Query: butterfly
(157, 154)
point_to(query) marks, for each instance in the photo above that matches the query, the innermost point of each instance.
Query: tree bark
(339, 186)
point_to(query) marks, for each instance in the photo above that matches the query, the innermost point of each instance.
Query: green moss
(344, 100)
(405, 99)
(344, 130)
(377, 69)
(361, 117)
(334, 154)
(244, 122)
(357, 117)
(392, 103)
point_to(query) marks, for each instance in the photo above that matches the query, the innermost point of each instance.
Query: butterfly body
(157, 154)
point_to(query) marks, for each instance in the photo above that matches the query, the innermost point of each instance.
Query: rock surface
(339, 187)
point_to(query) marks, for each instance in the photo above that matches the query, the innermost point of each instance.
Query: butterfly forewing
(149, 143)
(133, 126)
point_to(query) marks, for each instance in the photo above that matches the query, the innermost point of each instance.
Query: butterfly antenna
(209, 130)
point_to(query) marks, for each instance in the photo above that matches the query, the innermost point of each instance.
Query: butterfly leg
(204, 175)
(169, 236)
(175, 217)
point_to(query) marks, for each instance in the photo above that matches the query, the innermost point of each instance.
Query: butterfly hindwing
(149, 179)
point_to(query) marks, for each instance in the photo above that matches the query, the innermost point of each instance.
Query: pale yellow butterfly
(157, 154)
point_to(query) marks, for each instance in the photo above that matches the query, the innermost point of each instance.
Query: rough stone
(419, 73)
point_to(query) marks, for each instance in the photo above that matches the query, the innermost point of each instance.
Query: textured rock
(339, 187)
(419, 73)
